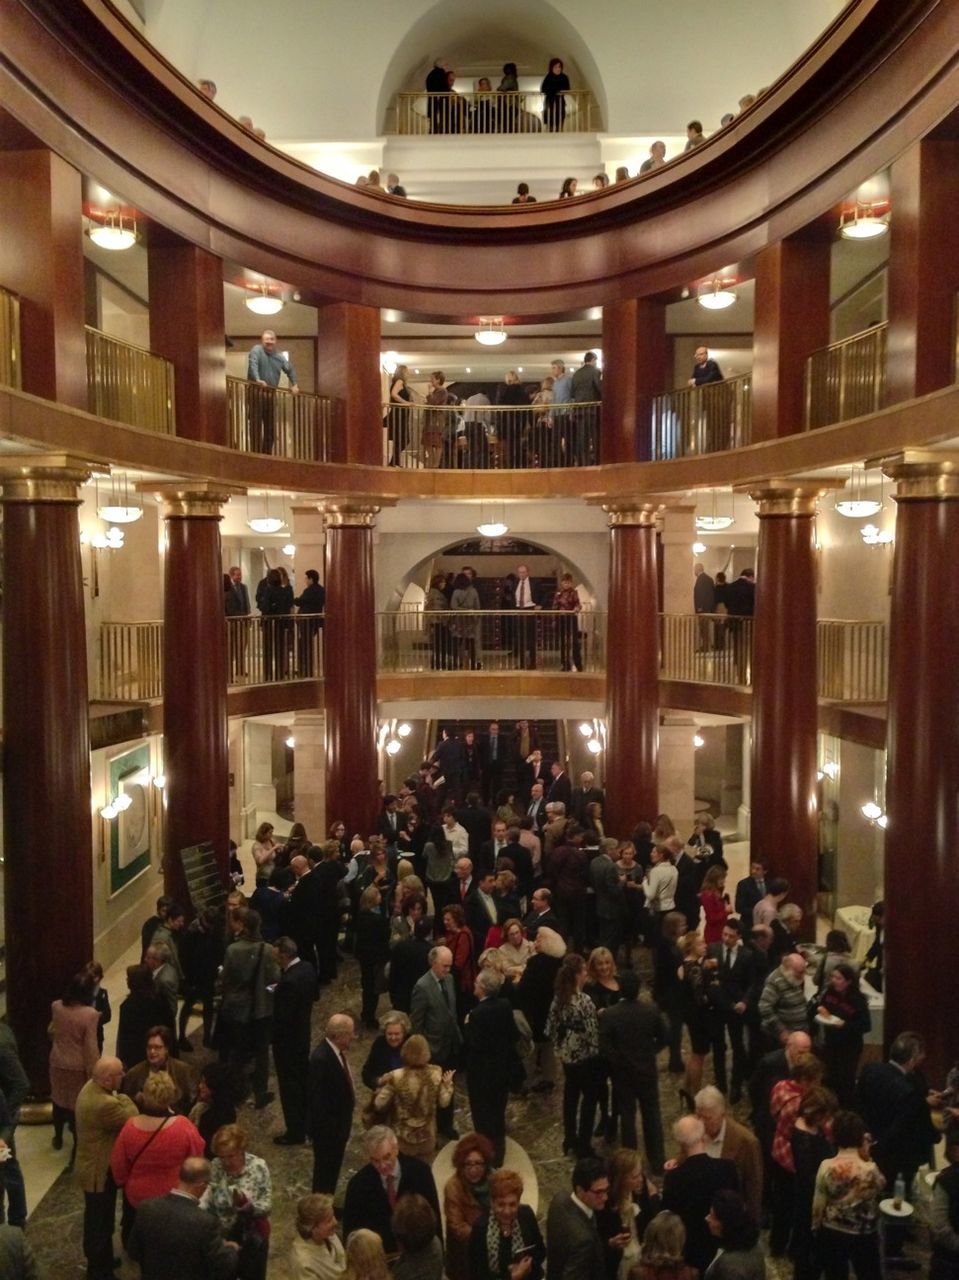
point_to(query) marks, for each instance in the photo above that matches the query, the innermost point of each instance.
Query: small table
(890, 1216)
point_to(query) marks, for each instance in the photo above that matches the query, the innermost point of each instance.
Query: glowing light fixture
(854, 502)
(870, 810)
(714, 522)
(831, 769)
(115, 232)
(883, 821)
(489, 526)
(119, 515)
(873, 536)
(160, 781)
(717, 295)
(289, 550)
(393, 746)
(291, 742)
(108, 812)
(266, 524)
(389, 361)
(490, 333)
(404, 730)
(263, 302)
(698, 548)
(586, 729)
(595, 746)
(864, 221)
(698, 740)
(122, 802)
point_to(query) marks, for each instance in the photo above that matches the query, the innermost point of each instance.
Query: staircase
(547, 732)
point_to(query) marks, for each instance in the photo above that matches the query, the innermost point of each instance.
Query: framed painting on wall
(131, 832)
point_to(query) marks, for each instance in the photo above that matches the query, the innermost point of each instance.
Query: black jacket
(293, 1007)
(366, 1203)
(688, 1190)
(490, 1036)
(173, 1234)
(631, 1033)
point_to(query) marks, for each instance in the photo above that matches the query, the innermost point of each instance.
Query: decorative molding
(922, 475)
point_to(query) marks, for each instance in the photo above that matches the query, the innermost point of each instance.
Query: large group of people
(507, 947)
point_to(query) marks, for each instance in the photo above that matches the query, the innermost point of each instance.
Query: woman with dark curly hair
(574, 1029)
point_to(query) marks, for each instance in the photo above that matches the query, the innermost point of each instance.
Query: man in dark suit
(895, 1102)
(542, 914)
(749, 892)
(372, 1192)
(574, 1250)
(689, 1187)
(433, 1014)
(704, 601)
(472, 764)
(585, 794)
(301, 914)
(731, 978)
(492, 760)
(491, 1059)
(391, 822)
(608, 895)
(536, 809)
(292, 1011)
(492, 848)
(524, 628)
(481, 909)
(687, 895)
(536, 769)
(631, 1034)
(173, 1235)
(332, 1099)
(771, 1068)
(560, 787)
(476, 821)
(437, 108)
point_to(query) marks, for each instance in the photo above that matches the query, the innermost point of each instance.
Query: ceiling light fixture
(263, 302)
(490, 526)
(863, 221)
(115, 232)
(854, 504)
(716, 295)
(715, 523)
(119, 509)
(264, 523)
(491, 333)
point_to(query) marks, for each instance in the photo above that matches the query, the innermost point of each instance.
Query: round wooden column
(783, 823)
(48, 856)
(195, 760)
(922, 769)
(632, 670)
(349, 648)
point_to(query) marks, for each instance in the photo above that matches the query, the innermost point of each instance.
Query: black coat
(409, 960)
(379, 1062)
(293, 1007)
(687, 894)
(893, 1105)
(366, 1203)
(490, 1036)
(331, 1099)
(172, 1233)
(138, 1013)
(631, 1033)
(371, 938)
(688, 1190)
(534, 995)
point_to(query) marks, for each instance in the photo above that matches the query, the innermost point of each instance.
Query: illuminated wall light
(108, 812)
(831, 769)
(160, 781)
(883, 821)
(698, 740)
(291, 742)
(289, 550)
(122, 802)
(595, 746)
(404, 730)
(586, 729)
(393, 747)
(698, 548)
(870, 810)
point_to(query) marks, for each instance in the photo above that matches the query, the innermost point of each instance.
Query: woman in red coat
(715, 904)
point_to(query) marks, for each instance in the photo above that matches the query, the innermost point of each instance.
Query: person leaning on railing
(264, 367)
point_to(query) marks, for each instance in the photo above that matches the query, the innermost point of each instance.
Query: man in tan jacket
(101, 1114)
(730, 1140)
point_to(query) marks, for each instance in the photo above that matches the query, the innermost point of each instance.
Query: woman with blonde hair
(365, 1259)
(661, 1255)
(627, 1207)
(264, 849)
(317, 1252)
(412, 1095)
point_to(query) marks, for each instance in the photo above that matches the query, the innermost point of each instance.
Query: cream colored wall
(854, 578)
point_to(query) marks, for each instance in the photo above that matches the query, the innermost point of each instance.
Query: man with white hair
(689, 1187)
(772, 1068)
(372, 1192)
(331, 1101)
(585, 794)
(101, 1113)
(782, 1005)
(433, 1015)
(785, 927)
(491, 1059)
(726, 1138)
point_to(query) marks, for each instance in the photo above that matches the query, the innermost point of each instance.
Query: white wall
(327, 69)
(854, 578)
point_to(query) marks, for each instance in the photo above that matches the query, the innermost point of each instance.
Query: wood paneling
(348, 368)
(635, 369)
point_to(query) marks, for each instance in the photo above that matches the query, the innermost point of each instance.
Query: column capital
(790, 497)
(360, 512)
(192, 499)
(46, 477)
(921, 475)
(641, 512)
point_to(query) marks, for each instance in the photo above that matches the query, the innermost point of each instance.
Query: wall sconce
(874, 814)
(873, 536)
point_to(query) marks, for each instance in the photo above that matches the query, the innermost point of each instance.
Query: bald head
(795, 965)
(339, 1030)
(690, 1135)
(195, 1174)
(797, 1042)
(299, 865)
(107, 1073)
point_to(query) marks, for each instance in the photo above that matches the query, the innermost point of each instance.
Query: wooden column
(922, 765)
(923, 270)
(632, 668)
(187, 327)
(635, 359)
(348, 367)
(41, 259)
(791, 321)
(48, 868)
(349, 644)
(195, 667)
(783, 823)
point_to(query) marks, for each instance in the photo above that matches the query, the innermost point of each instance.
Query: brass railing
(710, 648)
(129, 384)
(846, 379)
(706, 419)
(853, 660)
(278, 421)
(270, 650)
(491, 640)
(491, 112)
(131, 661)
(492, 436)
(9, 339)
(261, 651)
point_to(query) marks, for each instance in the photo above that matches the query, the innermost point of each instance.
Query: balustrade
(485, 437)
(278, 421)
(9, 339)
(129, 384)
(491, 640)
(707, 419)
(847, 379)
(491, 112)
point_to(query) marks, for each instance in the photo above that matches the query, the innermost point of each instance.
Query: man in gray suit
(433, 1015)
(172, 1234)
(574, 1250)
(610, 900)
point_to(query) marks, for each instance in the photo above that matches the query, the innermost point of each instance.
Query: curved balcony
(493, 437)
(480, 114)
(816, 136)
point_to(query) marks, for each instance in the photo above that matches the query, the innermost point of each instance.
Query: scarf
(494, 1239)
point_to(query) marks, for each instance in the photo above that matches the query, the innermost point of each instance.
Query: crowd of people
(553, 422)
(501, 935)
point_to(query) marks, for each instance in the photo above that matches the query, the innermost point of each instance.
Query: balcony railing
(278, 421)
(853, 660)
(846, 379)
(491, 640)
(706, 419)
(710, 648)
(129, 384)
(260, 651)
(483, 113)
(493, 436)
(131, 661)
(9, 339)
